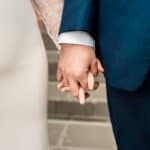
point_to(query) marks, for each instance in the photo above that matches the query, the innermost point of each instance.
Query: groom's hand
(75, 62)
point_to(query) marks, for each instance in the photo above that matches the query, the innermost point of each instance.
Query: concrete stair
(64, 106)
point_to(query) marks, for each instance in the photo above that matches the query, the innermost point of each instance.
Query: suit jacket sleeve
(79, 15)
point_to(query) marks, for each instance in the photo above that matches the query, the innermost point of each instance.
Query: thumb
(99, 66)
(93, 67)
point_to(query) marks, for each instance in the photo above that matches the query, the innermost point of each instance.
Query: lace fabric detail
(50, 12)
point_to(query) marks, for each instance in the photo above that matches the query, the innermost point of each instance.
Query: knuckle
(78, 73)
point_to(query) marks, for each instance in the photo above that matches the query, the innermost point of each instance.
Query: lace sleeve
(50, 12)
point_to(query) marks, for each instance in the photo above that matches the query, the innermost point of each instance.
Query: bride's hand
(83, 95)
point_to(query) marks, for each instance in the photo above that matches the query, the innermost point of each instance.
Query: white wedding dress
(50, 12)
(23, 79)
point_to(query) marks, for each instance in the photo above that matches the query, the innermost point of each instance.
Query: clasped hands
(77, 67)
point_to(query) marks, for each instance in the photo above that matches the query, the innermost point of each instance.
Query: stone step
(52, 56)
(80, 135)
(63, 105)
(49, 44)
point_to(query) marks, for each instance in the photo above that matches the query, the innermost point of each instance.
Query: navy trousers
(130, 116)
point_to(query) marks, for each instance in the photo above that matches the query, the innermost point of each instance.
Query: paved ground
(80, 135)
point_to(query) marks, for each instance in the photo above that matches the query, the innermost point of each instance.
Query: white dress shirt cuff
(76, 37)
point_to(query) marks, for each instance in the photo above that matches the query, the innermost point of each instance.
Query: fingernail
(81, 96)
(101, 69)
(90, 81)
(65, 89)
(59, 85)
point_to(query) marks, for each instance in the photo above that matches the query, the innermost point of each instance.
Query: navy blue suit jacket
(121, 29)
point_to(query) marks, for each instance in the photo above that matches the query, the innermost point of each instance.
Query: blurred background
(72, 126)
